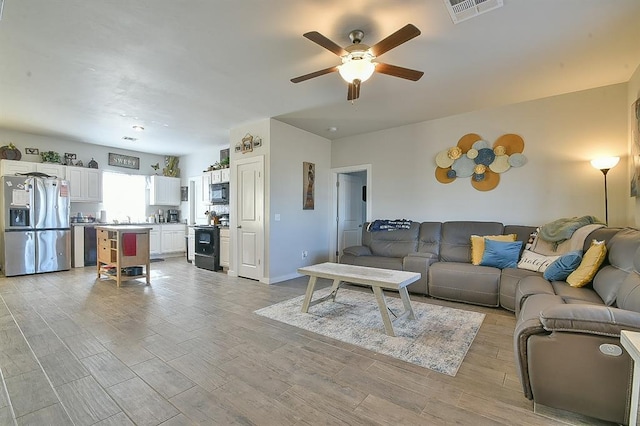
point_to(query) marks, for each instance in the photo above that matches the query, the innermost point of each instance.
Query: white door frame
(333, 190)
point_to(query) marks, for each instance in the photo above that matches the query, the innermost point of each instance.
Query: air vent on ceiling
(461, 10)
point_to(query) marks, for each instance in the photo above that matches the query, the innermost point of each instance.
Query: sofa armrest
(589, 319)
(357, 251)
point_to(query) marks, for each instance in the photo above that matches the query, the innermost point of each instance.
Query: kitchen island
(123, 250)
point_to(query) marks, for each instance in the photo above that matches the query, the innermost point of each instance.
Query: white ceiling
(188, 71)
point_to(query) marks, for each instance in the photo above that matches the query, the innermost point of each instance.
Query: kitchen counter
(127, 227)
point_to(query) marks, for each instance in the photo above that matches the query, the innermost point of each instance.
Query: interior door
(250, 217)
(349, 211)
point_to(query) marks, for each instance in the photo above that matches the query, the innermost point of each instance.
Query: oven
(207, 247)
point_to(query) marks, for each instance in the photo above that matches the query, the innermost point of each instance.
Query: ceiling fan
(357, 58)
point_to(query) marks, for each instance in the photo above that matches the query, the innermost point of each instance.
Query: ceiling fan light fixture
(357, 69)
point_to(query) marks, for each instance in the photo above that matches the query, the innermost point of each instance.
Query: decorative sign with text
(121, 160)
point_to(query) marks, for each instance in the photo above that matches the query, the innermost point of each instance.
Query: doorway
(352, 206)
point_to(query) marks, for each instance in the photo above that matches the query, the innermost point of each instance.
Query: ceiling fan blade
(401, 72)
(403, 35)
(318, 38)
(314, 74)
(354, 91)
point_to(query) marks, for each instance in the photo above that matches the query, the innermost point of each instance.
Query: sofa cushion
(477, 245)
(591, 261)
(376, 262)
(622, 248)
(429, 237)
(455, 245)
(560, 269)
(501, 254)
(607, 283)
(530, 286)
(509, 280)
(464, 282)
(629, 293)
(535, 262)
(357, 251)
(395, 243)
(575, 294)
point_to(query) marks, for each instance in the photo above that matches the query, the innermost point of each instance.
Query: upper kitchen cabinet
(85, 185)
(52, 169)
(165, 191)
(225, 175)
(11, 167)
(213, 176)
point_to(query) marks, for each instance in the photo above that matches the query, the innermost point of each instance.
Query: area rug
(438, 339)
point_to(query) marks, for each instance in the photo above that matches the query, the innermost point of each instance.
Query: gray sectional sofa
(567, 340)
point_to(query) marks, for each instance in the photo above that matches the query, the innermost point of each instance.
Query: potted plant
(50, 157)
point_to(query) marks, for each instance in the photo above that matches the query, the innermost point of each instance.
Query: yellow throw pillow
(591, 261)
(477, 245)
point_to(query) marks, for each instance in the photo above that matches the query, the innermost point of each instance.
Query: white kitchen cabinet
(11, 167)
(224, 247)
(206, 181)
(172, 238)
(52, 169)
(85, 185)
(191, 244)
(164, 191)
(225, 175)
(154, 240)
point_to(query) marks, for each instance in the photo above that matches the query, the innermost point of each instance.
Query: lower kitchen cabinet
(172, 238)
(154, 240)
(224, 247)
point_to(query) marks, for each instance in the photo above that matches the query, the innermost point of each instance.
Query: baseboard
(566, 417)
(274, 280)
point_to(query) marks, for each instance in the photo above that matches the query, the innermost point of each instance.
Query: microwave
(219, 193)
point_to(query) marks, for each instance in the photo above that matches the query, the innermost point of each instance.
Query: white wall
(633, 95)
(191, 167)
(257, 129)
(84, 152)
(561, 133)
(285, 148)
(297, 229)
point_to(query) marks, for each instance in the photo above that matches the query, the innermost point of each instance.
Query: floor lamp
(604, 165)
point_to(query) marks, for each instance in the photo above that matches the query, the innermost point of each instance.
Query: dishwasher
(83, 246)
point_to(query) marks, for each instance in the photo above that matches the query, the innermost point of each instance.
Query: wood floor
(189, 350)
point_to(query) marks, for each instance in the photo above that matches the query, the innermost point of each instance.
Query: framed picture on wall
(308, 185)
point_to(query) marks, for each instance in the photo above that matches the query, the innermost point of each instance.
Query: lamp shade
(356, 69)
(605, 163)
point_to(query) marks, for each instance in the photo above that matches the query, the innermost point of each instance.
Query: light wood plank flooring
(189, 350)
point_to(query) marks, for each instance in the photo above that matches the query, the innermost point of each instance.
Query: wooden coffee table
(376, 278)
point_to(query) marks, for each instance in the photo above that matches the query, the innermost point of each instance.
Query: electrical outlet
(305, 254)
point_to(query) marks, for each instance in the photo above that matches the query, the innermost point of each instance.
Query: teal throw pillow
(563, 266)
(501, 254)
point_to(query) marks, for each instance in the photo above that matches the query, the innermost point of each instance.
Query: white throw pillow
(534, 261)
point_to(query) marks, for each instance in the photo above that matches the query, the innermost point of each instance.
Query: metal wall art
(475, 158)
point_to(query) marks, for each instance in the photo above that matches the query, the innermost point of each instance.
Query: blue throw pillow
(501, 254)
(563, 266)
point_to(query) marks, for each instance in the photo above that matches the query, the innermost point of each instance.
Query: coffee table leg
(404, 295)
(334, 289)
(309, 293)
(382, 306)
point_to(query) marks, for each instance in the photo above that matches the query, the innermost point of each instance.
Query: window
(124, 196)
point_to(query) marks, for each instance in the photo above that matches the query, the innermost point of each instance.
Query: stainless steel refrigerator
(36, 236)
